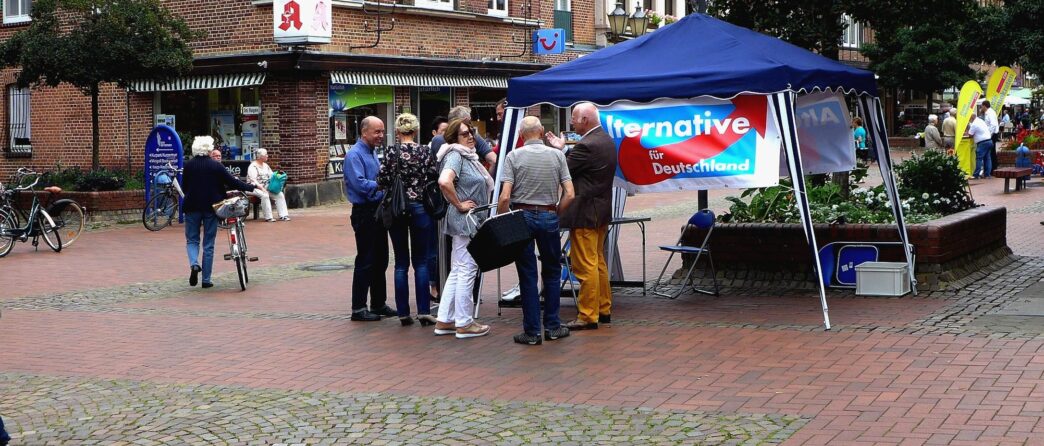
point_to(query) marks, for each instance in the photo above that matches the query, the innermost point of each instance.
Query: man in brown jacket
(592, 164)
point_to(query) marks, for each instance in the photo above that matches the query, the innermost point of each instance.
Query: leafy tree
(86, 43)
(811, 24)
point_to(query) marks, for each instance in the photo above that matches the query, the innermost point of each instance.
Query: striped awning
(200, 82)
(417, 79)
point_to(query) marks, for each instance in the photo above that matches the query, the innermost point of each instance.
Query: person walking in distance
(592, 166)
(949, 129)
(980, 134)
(536, 180)
(466, 185)
(371, 238)
(990, 116)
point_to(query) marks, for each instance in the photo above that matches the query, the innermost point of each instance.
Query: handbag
(499, 240)
(232, 207)
(276, 183)
(393, 205)
(434, 202)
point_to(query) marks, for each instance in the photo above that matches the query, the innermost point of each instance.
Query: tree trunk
(95, 138)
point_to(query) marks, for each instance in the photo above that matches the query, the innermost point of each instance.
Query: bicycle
(231, 213)
(68, 215)
(161, 208)
(38, 222)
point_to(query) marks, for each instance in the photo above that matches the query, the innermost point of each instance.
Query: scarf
(469, 154)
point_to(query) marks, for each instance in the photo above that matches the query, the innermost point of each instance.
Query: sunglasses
(465, 133)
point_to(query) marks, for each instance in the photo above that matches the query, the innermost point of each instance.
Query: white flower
(935, 201)
(924, 195)
(869, 201)
(833, 208)
(888, 203)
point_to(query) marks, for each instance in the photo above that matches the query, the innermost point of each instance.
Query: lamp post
(619, 23)
(639, 21)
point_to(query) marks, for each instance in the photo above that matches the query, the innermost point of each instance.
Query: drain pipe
(127, 109)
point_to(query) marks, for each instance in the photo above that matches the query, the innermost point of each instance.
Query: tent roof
(696, 56)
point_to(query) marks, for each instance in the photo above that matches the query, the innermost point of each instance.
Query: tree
(86, 43)
(815, 25)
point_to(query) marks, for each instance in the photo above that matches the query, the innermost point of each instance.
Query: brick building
(302, 103)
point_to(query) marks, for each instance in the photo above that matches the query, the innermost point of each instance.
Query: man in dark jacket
(592, 164)
(204, 183)
(4, 438)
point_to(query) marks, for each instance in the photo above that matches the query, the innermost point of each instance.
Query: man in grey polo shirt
(535, 176)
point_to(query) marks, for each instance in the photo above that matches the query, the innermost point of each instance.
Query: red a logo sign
(291, 16)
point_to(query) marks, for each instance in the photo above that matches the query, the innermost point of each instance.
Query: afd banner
(824, 134)
(694, 144)
(999, 86)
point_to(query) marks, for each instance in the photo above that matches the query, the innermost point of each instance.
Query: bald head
(531, 128)
(371, 131)
(584, 118)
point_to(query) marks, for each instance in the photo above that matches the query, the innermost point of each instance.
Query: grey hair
(459, 112)
(933, 118)
(202, 145)
(258, 153)
(531, 124)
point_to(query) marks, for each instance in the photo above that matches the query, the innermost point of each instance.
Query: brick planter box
(903, 142)
(771, 253)
(110, 206)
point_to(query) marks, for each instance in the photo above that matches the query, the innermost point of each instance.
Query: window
(852, 37)
(564, 18)
(18, 120)
(17, 11)
(444, 5)
(498, 8)
(668, 7)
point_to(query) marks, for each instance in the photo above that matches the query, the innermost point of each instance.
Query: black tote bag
(499, 240)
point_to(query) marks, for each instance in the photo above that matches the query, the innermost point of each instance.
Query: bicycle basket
(232, 207)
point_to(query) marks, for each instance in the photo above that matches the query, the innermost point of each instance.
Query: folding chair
(704, 220)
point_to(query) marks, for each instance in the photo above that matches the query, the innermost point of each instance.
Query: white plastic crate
(882, 279)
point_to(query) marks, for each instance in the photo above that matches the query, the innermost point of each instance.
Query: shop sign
(162, 146)
(344, 97)
(253, 110)
(167, 120)
(238, 168)
(335, 168)
(302, 21)
(548, 41)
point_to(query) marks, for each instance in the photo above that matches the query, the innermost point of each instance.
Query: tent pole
(783, 105)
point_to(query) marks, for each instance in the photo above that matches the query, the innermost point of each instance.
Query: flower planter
(776, 254)
(118, 205)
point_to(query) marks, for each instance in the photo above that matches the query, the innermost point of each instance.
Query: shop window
(443, 5)
(17, 11)
(232, 116)
(498, 8)
(668, 7)
(18, 129)
(564, 18)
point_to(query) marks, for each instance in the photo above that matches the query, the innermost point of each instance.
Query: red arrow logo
(636, 164)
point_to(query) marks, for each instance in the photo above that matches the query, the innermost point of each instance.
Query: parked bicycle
(37, 224)
(231, 213)
(69, 216)
(163, 206)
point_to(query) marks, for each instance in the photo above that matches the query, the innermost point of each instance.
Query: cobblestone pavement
(105, 344)
(109, 411)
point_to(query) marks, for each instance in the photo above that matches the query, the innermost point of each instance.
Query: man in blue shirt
(371, 238)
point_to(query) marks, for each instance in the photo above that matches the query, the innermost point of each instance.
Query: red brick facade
(295, 103)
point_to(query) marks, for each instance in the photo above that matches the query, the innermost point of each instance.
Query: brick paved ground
(107, 345)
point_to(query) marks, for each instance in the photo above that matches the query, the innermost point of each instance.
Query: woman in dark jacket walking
(205, 182)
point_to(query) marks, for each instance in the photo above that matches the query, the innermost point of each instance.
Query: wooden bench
(1018, 173)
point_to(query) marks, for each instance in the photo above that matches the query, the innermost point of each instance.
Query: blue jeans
(544, 227)
(982, 158)
(209, 222)
(4, 438)
(410, 239)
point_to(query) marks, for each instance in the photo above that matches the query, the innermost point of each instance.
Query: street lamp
(639, 21)
(617, 21)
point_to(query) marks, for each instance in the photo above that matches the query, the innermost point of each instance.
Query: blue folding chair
(703, 220)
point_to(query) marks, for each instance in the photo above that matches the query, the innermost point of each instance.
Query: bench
(1018, 173)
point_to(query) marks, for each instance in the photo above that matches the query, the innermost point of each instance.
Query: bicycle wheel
(6, 239)
(159, 211)
(49, 232)
(241, 270)
(243, 251)
(69, 219)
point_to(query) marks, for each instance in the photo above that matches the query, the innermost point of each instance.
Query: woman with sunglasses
(466, 185)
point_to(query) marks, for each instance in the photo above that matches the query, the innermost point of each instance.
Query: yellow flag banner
(964, 147)
(999, 86)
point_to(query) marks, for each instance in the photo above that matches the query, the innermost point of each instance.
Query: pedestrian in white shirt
(980, 134)
(259, 175)
(990, 116)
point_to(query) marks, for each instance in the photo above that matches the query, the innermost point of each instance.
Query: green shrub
(75, 179)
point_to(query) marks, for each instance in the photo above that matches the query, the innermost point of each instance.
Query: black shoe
(194, 275)
(385, 311)
(558, 333)
(365, 315)
(207, 285)
(604, 319)
(528, 339)
(406, 321)
(426, 320)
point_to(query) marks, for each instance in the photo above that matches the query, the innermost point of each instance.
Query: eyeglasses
(465, 133)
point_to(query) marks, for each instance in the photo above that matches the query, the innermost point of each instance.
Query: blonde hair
(202, 145)
(406, 124)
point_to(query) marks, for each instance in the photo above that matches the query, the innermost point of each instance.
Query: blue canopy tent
(701, 56)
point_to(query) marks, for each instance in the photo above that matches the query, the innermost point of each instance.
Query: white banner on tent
(694, 144)
(825, 133)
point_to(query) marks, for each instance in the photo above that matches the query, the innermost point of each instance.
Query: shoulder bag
(393, 205)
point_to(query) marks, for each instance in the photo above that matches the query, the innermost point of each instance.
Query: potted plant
(655, 19)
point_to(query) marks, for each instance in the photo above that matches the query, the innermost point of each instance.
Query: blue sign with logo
(163, 146)
(548, 41)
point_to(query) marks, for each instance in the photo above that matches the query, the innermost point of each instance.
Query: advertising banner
(344, 97)
(302, 21)
(824, 134)
(162, 146)
(969, 96)
(999, 86)
(694, 144)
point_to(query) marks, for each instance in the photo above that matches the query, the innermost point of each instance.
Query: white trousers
(455, 303)
(266, 203)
